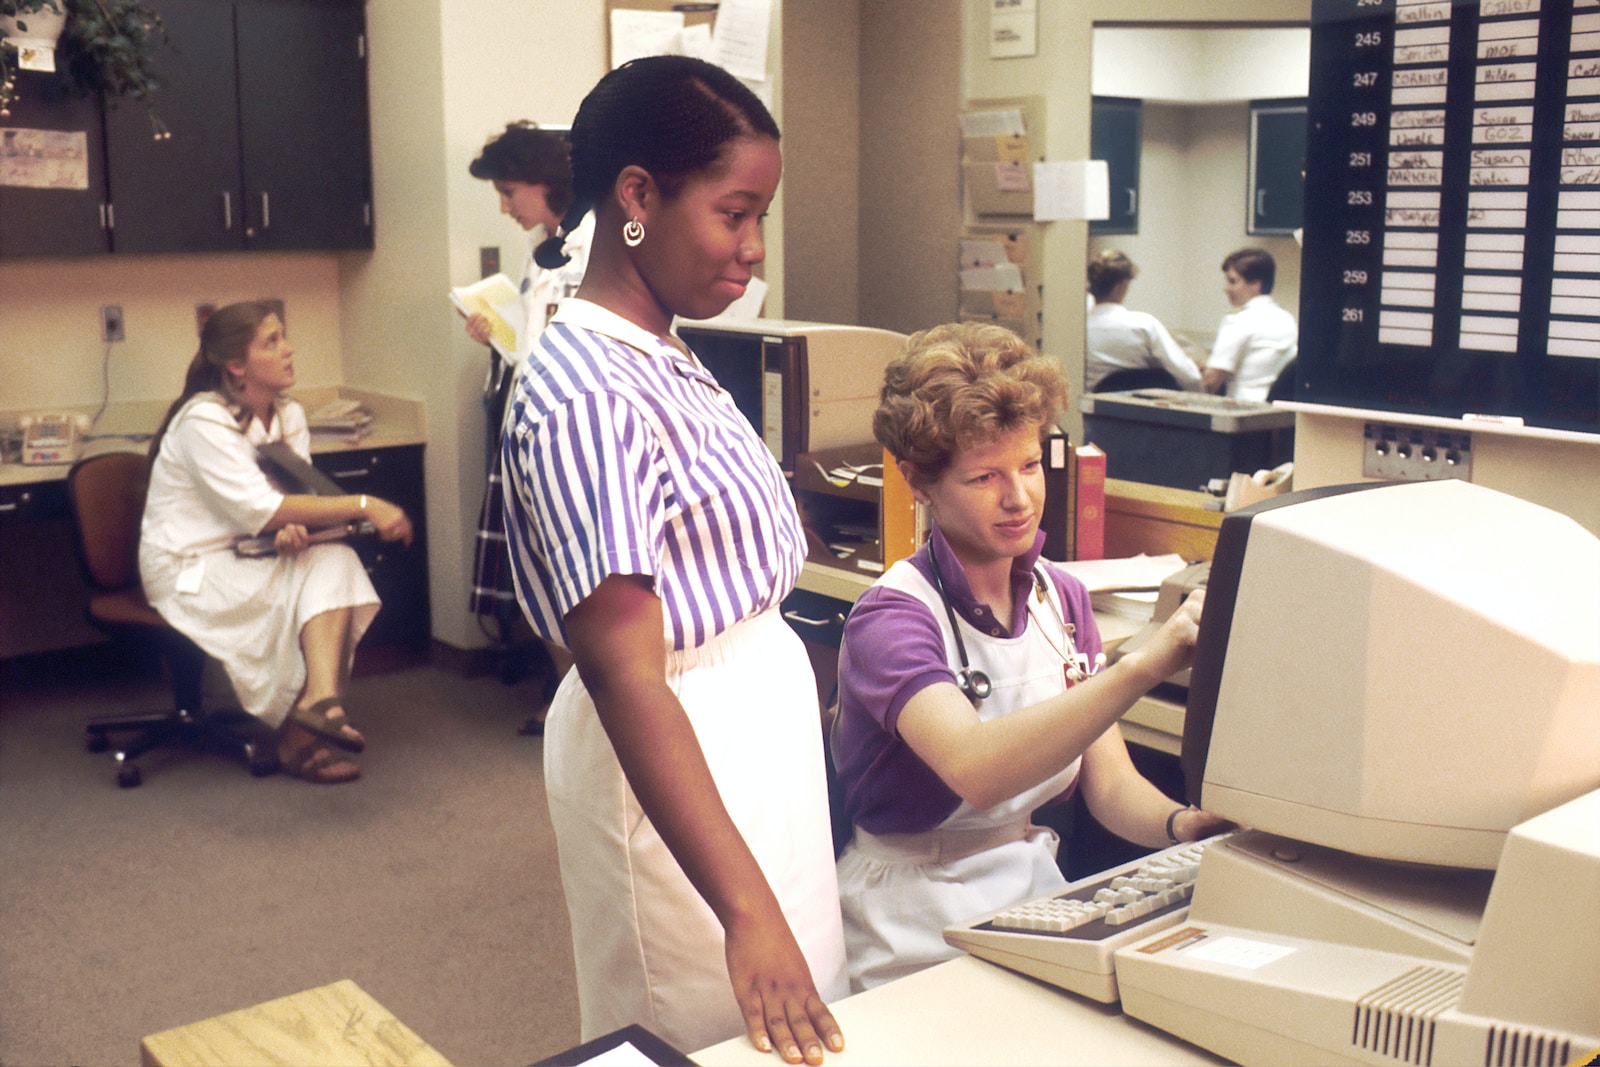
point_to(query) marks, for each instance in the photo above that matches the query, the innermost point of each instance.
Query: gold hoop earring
(633, 233)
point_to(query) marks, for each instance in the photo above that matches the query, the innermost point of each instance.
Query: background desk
(42, 594)
(1180, 439)
(968, 1012)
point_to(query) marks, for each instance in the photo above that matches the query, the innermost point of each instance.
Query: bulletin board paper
(44, 159)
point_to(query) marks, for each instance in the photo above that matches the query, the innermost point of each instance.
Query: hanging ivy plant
(17, 11)
(108, 47)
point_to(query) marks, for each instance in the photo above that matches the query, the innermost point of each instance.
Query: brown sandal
(336, 728)
(317, 763)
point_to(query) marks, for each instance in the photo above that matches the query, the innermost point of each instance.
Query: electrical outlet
(1415, 453)
(111, 326)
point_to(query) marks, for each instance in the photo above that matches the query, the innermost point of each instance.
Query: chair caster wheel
(96, 742)
(128, 775)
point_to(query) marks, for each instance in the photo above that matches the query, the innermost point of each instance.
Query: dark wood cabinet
(182, 193)
(398, 572)
(1115, 135)
(270, 145)
(305, 145)
(1277, 166)
(54, 137)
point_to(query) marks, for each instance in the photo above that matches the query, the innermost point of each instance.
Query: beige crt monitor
(1397, 687)
(806, 386)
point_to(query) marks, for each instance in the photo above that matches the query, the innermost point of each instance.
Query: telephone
(53, 437)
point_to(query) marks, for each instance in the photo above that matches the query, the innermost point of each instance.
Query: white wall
(1192, 212)
(51, 354)
(1061, 73)
(1201, 65)
(441, 86)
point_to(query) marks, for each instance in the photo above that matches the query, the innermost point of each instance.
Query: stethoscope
(975, 683)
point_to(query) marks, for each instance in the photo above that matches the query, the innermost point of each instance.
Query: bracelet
(1172, 838)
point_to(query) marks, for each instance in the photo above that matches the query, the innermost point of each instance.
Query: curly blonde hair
(962, 385)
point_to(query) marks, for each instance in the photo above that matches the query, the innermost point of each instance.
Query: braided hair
(670, 115)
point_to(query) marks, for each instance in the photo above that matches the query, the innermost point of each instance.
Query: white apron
(648, 949)
(899, 891)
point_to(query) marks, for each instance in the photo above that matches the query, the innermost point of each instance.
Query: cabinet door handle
(227, 210)
(359, 473)
(1133, 201)
(795, 616)
(266, 211)
(1261, 202)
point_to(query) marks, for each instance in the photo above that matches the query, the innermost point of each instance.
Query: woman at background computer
(1255, 343)
(653, 534)
(1119, 338)
(969, 688)
(284, 627)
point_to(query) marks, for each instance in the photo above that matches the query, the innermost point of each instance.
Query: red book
(1089, 504)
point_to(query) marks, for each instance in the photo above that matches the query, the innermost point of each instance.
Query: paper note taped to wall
(1002, 277)
(1005, 122)
(1071, 190)
(44, 159)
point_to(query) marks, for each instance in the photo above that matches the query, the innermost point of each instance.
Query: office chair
(1121, 381)
(107, 500)
(1283, 385)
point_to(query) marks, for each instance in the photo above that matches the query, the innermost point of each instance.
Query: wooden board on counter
(1156, 519)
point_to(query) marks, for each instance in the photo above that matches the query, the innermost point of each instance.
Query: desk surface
(127, 427)
(967, 1012)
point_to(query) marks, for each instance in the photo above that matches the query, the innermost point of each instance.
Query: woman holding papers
(285, 626)
(970, 688)
(529, 170)
(532, 175)
(652, 534)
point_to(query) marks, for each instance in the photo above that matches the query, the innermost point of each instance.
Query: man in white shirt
(1256, 342)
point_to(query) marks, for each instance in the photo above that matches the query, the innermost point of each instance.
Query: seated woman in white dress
(1119, 338)
(285, 626)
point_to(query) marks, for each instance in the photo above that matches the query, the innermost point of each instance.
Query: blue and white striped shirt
(622, 455)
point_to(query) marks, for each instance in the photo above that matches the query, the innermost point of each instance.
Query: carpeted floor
(431, 882)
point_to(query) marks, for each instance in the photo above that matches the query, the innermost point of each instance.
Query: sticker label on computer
(1239, 952)
(1182, 938)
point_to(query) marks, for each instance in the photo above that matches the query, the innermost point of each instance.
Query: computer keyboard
(1069, 938)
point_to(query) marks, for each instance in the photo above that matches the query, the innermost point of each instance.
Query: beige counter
(130, 424)
(969, 1012)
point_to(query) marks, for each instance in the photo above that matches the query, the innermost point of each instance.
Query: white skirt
(248, 614)
(648, 948)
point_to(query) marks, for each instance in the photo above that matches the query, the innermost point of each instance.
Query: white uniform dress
(899, 891)
(1254, 344)
(1120, 338)
(206, 491)
(624, 456)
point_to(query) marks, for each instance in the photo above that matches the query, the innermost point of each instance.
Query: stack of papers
(1139, 606)
(1139, 573)
(340, 420)
(497, 299)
